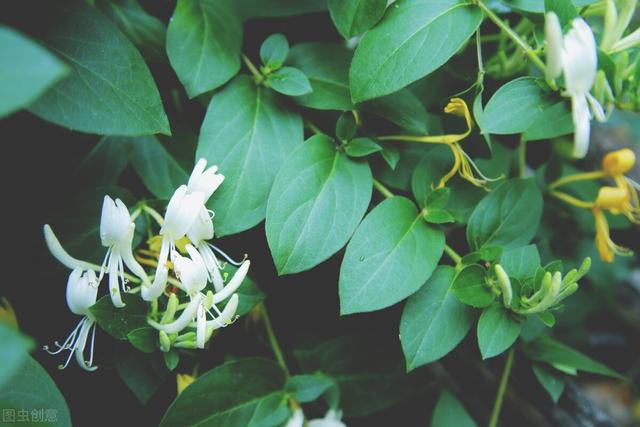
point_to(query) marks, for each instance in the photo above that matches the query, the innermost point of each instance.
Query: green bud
(172, 306)
(165, 342)
(505, 285)
(186, 336)
(186, 344)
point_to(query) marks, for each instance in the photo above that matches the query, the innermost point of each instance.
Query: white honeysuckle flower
(191, 271)
(182, 211)
(576, 54)
(61, 254)
(204, 181)
(331, 419)
(553, 36)
(233, 284)
(82, 291)
(296, 419)
(116, 233)
(186, 317)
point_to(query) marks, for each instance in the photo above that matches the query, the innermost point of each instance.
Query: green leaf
(326, 65)
(204, 39)
(449, 412)
(274, 51)
(143, 373)
(537, 6)
(346, 127)
(414, 38)
(552, 383)
(508, 216)
(146, 31)
(546, 349)
(106, 161)
(564, 9)
(523, 106)
(392, 253)
(361, 147)
(307, 388)
(497, 330)
(521, 263)
(289, 81)
(433, 320)
(354, 17)
(438, 216)
(242, 393)
(13, 352)
(391, 156)
(402, 108)
(318, 199)
(109, 89)
(157, 169)
(144, 339)
(469, 286)
(248, 134)
(31, 387)
(27, 72)
(171, 359)
(119, 322)
(367, 384)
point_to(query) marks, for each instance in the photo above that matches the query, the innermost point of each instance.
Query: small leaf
(470, 286)
(497, 330)
(203, 44)
(274, 51)
(244, 392)
(289, 81)
(450, 412)
(144, 339)
(521, 263)
(413, 39)
(28, 70)
(346, 127)
(438, 216)
(391, 156)
(564, 9)
(508, 216)
(307, 388)
(318, 199)
(354, 17)
(552, 383)
(433, 320)
(171, 359)
(118, 322)
(326, 65)
(109, 90)
(361, 147)
(392, 253)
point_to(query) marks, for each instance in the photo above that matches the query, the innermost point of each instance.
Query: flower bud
(618, 162)
(505, 285)
(165, 341)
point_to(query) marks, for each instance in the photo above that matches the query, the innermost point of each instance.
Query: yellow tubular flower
(183, 381)
(615, 165)
(613, 199)
(606, 247)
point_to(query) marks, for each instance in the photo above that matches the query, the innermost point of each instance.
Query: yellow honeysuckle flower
(606, 247)
(615, 165)
(7, 314)
(183, 381)
(613, 199)
(462, 163)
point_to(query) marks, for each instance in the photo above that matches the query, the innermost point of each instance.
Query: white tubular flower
(60, 254)
(296, 419)
(226, 316)
(191, 271)
(233, 284)
(116, 233)
(82, 291)
(582, 125)
(553, 36)
(185, 318)
(580, 58)
(204, 181)
(331, 419)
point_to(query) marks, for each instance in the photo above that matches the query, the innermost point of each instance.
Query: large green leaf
(142, 373)
(497, 330)
(241, 393)
(157, 169)
(13, 352)
(31, 387)
(508, 216)
(203, 43)
(354, 17)
(109, 89)
(307, 388)
(546, 349)
(521, 263)
(402, 108)
(326, 65)
(433, 321)
(27, 71)
(414, 38)
(106, 161)
(317, 201)
(449, 412)
(248, 134)
(392, 253)
(526, 105)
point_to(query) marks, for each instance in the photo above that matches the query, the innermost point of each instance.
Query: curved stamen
(68, 342)
(225, 256)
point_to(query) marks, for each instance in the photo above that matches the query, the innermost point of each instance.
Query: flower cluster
(184, 259)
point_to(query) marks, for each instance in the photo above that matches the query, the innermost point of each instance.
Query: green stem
(257, 75)
(452, 254)
(522, 157)
(512, 35)
(502, 388)
(277, 351)
(382, 189)
(154, 214)
(315, 129)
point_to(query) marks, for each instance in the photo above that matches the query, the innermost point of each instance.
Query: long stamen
(225, 256)
(67, 342)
